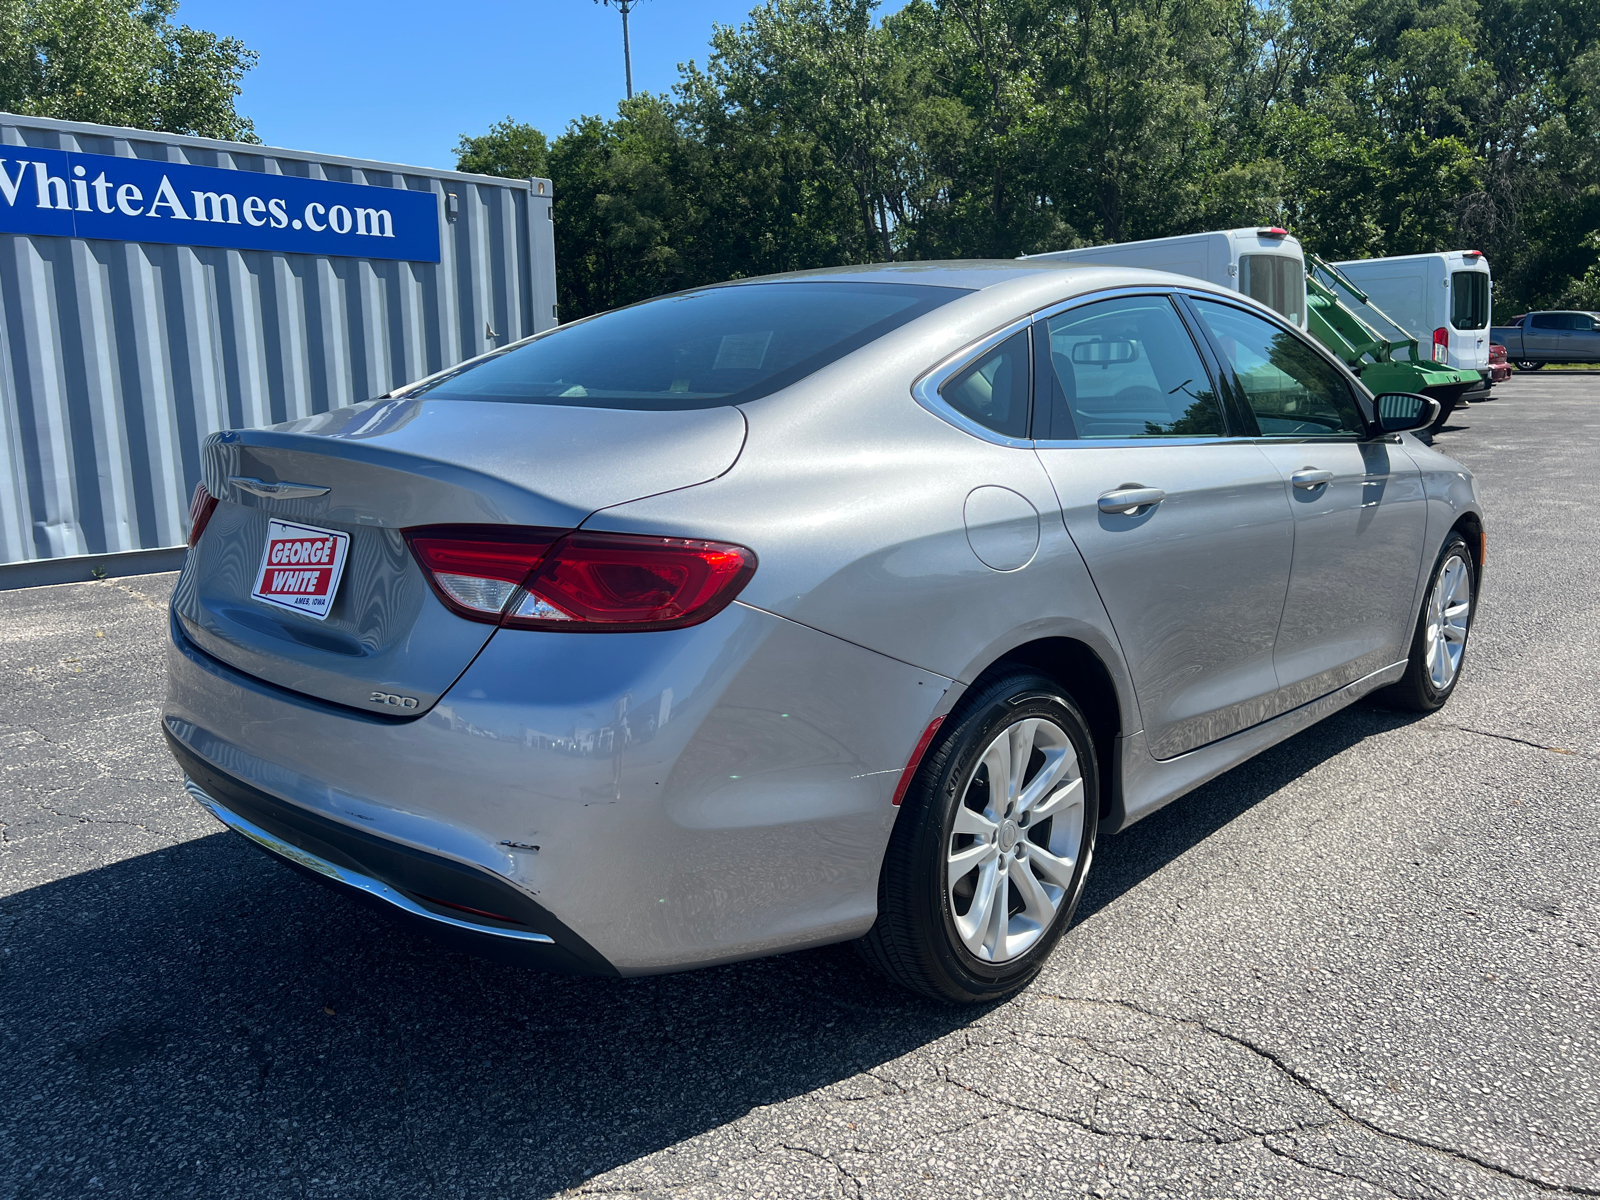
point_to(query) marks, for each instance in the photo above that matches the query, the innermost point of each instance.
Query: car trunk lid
(387, 644)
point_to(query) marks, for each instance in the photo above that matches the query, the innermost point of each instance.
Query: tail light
(1441, 345)
(1274, 232)
(201, 505)
(580, 582)
(476, 569)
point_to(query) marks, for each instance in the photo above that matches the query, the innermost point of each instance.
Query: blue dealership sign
(67, 194)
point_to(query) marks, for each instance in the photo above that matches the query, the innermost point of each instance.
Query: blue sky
(401, 80)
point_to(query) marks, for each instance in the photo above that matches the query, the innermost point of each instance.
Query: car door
(1186, 530)
(1542, 336)
(1582, 340)
(1360, 514)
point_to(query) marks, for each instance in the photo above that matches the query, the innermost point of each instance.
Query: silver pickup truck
(1550, 337)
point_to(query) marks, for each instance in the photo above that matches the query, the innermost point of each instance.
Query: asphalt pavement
(1365, 964)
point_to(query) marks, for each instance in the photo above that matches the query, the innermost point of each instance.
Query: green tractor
(1385, 364)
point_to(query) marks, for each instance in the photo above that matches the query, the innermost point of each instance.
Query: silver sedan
(849, 605)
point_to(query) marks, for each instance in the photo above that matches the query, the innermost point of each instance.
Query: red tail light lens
(1441, 344)
(201, 505)
(597, 582)
(578, 582)
(476, 569)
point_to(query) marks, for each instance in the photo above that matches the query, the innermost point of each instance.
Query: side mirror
(1401, 411)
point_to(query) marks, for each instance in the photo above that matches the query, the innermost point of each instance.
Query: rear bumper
(343, 862)
(649, 802)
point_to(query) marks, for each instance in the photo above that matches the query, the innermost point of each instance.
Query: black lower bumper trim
(427, 879)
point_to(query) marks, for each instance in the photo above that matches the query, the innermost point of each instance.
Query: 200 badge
(393, 700)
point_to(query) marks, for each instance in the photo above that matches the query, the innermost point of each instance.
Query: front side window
(1469, 300)
(705, 349)
(1579, 322)
(1292, 390)
(1276, 281)
(993, 391)
(1127, 368)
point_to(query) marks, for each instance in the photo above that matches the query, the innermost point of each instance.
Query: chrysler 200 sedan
(848, 605)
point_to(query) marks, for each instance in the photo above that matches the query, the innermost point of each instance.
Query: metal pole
(627, 56)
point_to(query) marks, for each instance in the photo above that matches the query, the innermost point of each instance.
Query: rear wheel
(989, 855)
(1526, 364)
(1439, 645)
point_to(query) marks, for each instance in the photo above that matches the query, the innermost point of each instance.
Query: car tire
(1523, 364)
(1439, 644)
(961, 850)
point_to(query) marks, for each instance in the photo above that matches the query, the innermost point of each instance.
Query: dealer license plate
(301, 567)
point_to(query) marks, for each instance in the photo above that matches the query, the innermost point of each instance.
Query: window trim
(1208, 363)
(1359, 392)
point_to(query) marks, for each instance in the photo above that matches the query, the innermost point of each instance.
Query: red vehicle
(1499, 368)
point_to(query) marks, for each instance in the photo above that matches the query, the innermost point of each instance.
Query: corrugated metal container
(117, 357)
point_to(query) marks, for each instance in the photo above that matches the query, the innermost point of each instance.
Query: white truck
(1443, 300)
(1265, 264)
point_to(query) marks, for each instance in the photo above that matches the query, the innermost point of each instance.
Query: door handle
(1130, 499)
(1310, 477)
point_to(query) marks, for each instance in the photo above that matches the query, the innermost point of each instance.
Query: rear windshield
(703, 349)
(1469, 299)
(1276, 281)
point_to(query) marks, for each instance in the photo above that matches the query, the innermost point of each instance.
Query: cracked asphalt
(1362, 965)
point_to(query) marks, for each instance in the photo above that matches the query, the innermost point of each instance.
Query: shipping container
(157, 288)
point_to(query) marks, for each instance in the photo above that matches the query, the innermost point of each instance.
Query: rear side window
(1127, 368)
(705, 349)
(993, 391)
(1469, 300)
(1545, 320)
(1276, 281)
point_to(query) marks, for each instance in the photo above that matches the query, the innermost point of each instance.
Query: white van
(1265, 264)
(1442, 299)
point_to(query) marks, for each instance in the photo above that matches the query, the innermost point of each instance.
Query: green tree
(121, 62)
(817, 134)
(511, 149)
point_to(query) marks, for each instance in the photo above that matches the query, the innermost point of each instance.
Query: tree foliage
(817, 134)
(511, 149)
(121, 62)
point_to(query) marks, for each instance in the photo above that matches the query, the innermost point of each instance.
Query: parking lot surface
(1364, 964)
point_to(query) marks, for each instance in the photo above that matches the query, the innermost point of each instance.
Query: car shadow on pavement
(201, 1021)
(1126, 860)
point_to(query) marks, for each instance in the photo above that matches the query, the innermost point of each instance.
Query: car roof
(1005, 281)
(971, 274)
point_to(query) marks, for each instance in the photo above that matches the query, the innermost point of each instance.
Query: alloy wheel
(1015, 840)
(1449, 611)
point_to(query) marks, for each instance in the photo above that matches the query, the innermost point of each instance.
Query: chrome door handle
(1310, 478)
(1129, 499)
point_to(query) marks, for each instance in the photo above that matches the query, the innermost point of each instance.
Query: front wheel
(1527, 364)
(988, 858)
(1439, 644)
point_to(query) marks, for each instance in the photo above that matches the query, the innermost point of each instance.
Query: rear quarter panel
(854, 497)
